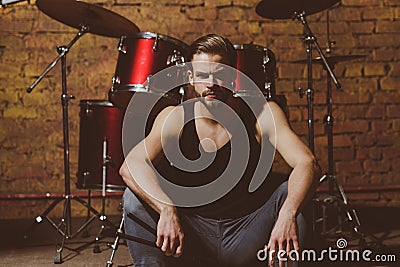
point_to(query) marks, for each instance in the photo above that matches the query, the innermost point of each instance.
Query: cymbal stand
(309, 93)
(333, 183)
(310, 40)
(65, 221)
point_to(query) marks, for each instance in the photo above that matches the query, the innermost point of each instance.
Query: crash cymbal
(76, 13)
(331, 59)
(285, 9)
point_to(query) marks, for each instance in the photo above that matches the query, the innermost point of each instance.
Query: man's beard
(212, 103)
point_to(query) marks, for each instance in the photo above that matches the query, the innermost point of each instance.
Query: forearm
(302, 183)
(144, 183)
(142, 180)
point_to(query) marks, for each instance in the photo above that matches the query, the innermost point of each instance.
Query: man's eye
(202, 75)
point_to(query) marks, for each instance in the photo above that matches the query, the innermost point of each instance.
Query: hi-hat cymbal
(285, 9)
(331, 59)
(76, 13)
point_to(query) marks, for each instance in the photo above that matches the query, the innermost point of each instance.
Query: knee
(281, 194)
(131, 203)
(301, 228)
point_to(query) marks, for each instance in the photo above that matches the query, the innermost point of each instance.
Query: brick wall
(366, 109)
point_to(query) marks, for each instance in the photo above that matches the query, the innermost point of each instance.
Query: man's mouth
(211, 96)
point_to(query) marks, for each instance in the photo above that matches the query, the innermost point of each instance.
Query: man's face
(211, 78)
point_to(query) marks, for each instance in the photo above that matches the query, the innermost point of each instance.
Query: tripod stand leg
(63, 223)
(114, 246)
(85, 233)
(96, 248)
(351, 215)
(42, 216)
(58, 257)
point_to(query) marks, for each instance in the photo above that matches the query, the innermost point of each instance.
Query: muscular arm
(306, 172)
(303, 179)
(138, 174)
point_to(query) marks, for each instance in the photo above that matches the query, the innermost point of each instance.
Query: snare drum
(141, 56)
(100, 145)
(259, 64)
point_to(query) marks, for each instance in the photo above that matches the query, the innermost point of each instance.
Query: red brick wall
(366, 110)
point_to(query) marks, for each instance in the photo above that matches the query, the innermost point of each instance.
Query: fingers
(289, 256)
(164, 244)
(296, 245)
(166, 247)
(282, 250)
(159, 241)
(170, 246)
(271, 249)
(280, 253)
(179, 249)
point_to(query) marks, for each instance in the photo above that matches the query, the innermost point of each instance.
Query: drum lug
(121, 46)
(266, 57)
(148, 81)
(267, 92)
(88, 113)
(115, 80)
(175, 58)
(155, 45)
(85, 176)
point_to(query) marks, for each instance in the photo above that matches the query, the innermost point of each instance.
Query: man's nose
(210, 82)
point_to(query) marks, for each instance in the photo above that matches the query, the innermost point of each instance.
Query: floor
(381, 228)
(38, 246)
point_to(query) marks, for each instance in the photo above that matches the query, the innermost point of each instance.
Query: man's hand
(169, 233)
(284, 237)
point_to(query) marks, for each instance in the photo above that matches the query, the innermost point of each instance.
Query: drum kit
(142, 55)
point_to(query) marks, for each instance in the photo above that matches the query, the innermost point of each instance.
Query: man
(227, 223)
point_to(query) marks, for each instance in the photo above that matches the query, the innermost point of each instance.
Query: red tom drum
(100, 135)
(141, 56)
(259, 64)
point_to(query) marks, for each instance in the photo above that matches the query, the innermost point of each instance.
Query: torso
(197, 138)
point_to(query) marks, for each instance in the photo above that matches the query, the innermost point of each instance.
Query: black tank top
(237, 202)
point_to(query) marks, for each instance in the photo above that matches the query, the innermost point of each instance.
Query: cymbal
(76, 13)
(331, 59)
(284, 9)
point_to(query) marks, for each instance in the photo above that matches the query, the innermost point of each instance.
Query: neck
(223, 114)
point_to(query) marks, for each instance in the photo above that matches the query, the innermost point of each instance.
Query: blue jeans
(208, 242)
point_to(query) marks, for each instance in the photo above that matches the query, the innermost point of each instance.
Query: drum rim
(153, 35)
(252, 46)
(96, 102)
(99, 187)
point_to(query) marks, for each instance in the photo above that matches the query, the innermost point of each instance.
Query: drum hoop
(250, 46)
(139, 88)
(96, 102)
(153, 35)
(136, 87)
(109, 187)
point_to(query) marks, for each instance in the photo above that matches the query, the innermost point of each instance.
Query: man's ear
(190, 77)
(189, 92)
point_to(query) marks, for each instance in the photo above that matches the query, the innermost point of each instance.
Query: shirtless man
(227, 230)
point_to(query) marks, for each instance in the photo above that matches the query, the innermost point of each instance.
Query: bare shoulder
(168, 121)
(270, 117)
